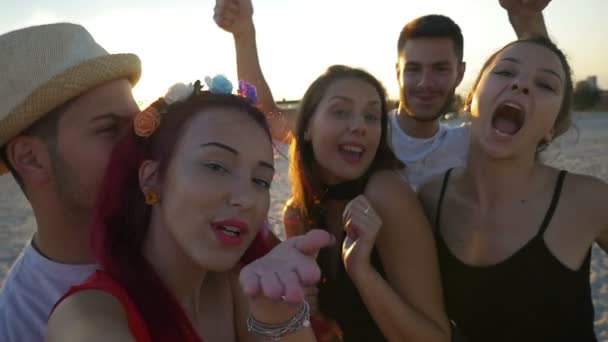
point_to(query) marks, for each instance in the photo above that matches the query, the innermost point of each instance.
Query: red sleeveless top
(102, 281)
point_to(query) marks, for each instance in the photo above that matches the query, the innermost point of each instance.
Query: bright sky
(178, 41)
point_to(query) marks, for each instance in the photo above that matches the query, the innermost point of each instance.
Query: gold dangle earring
(152, 198)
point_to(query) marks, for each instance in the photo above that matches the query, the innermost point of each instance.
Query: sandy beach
(582, 150)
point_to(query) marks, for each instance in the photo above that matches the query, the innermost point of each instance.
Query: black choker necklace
(345, 191)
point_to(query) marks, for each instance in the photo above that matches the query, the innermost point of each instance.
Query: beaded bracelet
(275, 332)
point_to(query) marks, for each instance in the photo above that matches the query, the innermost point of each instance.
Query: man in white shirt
(430, 66)
(64, 103)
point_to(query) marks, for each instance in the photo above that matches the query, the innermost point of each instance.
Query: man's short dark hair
(432, 26)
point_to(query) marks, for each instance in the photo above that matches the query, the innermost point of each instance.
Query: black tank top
(530, 296)
(339, 299)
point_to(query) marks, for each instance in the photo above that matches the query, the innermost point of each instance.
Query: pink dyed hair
(121, 217)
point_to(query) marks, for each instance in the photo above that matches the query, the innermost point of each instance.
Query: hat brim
(66, 86)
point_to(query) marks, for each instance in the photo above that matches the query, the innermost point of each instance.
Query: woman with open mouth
(514, 235)
(381, 280)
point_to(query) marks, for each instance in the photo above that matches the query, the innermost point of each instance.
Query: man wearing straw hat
(64, 103)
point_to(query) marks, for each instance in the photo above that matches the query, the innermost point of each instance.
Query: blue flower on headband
(219, 85)
(248, 91)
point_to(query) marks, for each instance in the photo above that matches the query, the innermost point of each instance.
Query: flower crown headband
(146, 122)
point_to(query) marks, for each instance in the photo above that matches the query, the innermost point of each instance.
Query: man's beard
(442, 111)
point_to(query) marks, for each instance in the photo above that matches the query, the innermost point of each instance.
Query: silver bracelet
(275, 332)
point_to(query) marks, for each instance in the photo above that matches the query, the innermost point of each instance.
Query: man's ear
(462, 67)
(30, 157)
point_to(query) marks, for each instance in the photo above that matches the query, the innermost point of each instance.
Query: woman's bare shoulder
(89, 315)
(586, 196)
(386, 185)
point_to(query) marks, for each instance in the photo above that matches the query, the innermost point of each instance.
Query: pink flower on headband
(146, 122)
(248, 91)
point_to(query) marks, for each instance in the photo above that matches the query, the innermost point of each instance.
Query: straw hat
(42, 67)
